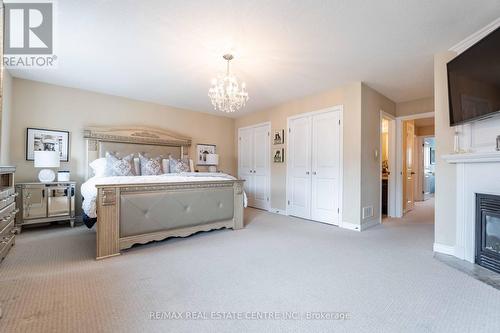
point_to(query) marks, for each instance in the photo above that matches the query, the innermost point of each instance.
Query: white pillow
(99, 167)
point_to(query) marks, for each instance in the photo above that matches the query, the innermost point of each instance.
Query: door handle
(307, 172)
(314, 173)
(412, 173)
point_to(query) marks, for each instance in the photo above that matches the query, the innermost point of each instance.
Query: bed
(140, 209)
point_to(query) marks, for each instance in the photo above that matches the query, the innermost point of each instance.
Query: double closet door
(313, 167)
(254, 164)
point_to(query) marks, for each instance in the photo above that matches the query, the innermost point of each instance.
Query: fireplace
(488, 231)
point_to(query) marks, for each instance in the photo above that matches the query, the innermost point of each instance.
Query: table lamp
(45, 160)
(212, 162)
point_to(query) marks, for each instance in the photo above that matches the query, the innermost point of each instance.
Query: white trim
(351, 226)
(475, 37)
(370, 223)
(484, 157)
(254, 125)
(445, 249)
(418, 116)
(391, 199)
(277, 211)
(269, 126)
(399, 156)
(336, 108)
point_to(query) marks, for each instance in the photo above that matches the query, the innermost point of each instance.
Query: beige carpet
(385, 278)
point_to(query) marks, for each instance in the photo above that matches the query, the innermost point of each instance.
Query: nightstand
(45, 202)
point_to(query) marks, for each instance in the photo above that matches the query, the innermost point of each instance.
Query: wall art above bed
(202, 150)
(47, 140)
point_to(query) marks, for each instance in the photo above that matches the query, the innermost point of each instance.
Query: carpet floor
(385, 279)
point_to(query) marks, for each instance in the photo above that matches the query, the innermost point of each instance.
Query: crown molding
(475, 37)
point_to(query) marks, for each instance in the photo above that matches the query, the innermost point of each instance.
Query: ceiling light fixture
(225, 92)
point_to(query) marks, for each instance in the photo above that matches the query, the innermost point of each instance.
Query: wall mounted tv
(474, 81)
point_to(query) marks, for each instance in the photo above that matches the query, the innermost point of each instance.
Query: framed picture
(279, 155)
(279, 137)
(201, 153)
(43, 139)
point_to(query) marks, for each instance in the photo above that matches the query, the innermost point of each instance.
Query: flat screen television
(474, 81)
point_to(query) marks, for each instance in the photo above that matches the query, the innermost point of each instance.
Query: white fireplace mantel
(477, 172)
(478, 157)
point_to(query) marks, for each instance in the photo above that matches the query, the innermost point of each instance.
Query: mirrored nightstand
(45, 202)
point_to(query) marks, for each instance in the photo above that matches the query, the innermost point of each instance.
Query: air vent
(367, 212)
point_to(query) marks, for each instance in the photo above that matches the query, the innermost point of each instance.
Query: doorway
(387, 165)
(254, 165)
(416, 161)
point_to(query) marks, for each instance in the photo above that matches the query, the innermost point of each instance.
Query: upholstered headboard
(128, 140)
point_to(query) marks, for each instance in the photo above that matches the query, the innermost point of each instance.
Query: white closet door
(245, 162)
(299, 164)
(261, 162)
(325, 167)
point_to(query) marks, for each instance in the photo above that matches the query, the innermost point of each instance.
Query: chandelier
(225, 92)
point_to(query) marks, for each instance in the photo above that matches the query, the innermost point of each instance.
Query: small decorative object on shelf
(456, 143)
(63, 176)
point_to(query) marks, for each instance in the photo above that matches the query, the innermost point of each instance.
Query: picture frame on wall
(47, 140)
(201, 153)
(279, 137)
(279, 155)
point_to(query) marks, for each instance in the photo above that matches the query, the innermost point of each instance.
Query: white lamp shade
(212, 159)
(47, 159)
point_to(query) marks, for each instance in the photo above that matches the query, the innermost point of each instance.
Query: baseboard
(370, 223)
(350, 226)
(277, 211)
(445, 249)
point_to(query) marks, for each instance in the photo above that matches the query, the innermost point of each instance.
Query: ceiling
(167, 51)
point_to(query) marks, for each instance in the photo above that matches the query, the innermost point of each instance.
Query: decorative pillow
(177, 166)
(99, 167)
(150, 166)
(120, 167)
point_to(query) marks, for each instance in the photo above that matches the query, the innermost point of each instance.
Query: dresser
(8, 210)
(45, 202)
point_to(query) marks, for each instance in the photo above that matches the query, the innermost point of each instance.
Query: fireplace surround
(488, 231)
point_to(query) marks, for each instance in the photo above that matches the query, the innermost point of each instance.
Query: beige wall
(424, 130)
(6, 119)
(350, 97)
(372, 102)
(445, 217)
(54, 107)
(421, 105)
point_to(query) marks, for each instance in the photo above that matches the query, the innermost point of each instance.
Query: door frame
(399, 156)
(336, 108)
(421, 173)
(391, 199)
(268, 124)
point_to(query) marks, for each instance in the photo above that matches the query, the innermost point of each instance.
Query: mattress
(89, 190)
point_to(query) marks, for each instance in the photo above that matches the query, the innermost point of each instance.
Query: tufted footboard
(139, 213)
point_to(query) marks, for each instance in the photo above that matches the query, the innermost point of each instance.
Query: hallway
(423, 213)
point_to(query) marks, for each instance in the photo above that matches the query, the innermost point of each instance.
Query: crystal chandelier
(225, 93)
